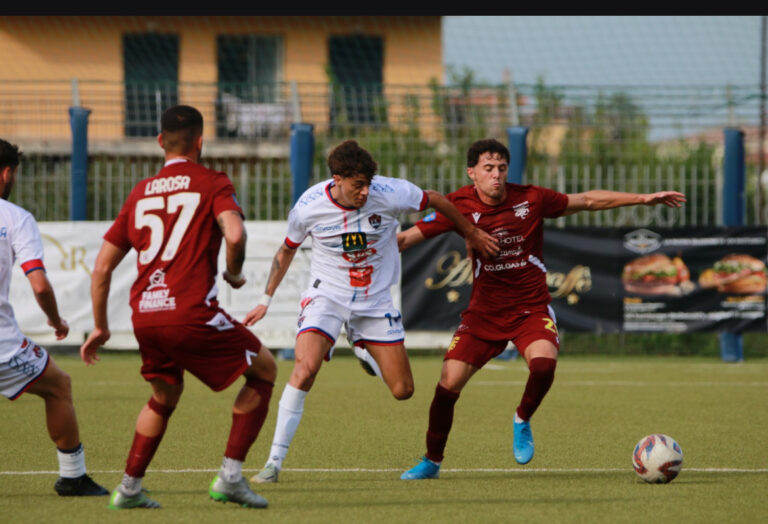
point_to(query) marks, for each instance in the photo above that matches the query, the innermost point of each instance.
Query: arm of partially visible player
(280, 264)
(232, 227)
(598, 199)
(46, 298)
(106, 261)
(476, 238)
(410, 237)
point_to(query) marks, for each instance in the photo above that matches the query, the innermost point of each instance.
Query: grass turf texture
(355, 440)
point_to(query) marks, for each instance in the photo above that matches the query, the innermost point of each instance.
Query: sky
(606, 50)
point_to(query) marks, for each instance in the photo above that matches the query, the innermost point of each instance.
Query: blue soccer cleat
(523, 442)
(426, 469)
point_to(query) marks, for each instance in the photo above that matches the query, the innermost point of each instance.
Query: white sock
(231, 470)
(71, 462)
(363, 354)
(130, 486)
(518, 420)
(291, 408)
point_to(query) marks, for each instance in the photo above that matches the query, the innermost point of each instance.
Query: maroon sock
(541, 373)
(143, 447)
(440, 421)
(246, 426)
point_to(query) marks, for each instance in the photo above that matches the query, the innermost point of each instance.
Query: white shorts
(24, 368)
(381, 323)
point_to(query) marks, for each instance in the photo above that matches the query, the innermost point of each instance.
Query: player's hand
(236, 281)
(400, 241)
(96, 339)
(667, 198)
(255, 315)
(479, 240)
(60, 328)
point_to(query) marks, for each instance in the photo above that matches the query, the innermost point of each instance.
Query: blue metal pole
(518, 152)
(302, 153)
(734, 177)
(78, 187)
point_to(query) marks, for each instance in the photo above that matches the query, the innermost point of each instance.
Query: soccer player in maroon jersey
(175, 221)
(510, 299)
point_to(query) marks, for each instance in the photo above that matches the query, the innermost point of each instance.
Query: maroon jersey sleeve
(553, 203)
(224, 198)
(117, 234)
(436, 223)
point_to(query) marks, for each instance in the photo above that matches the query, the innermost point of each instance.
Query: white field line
(626, 383)
(390, 470)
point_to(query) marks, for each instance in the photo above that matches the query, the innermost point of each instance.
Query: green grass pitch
(355, 440)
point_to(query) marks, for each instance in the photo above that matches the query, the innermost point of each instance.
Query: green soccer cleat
(237, 492)
(266, 475)
(140, 500)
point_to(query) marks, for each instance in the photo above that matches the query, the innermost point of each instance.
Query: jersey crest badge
(375, 220)
(521, 210)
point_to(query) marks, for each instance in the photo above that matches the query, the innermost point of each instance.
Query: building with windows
(251, 76)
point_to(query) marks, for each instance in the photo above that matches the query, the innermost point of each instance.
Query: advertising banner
(613, 279)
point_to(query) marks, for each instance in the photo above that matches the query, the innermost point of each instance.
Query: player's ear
(160, 140)
(199, 143)
(471, 173)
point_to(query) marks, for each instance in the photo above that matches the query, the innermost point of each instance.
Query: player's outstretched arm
(409, 238)
(106, 261)
(46, 299)
(232, 227)
(598, 199)
(478, 239)
(280, 264)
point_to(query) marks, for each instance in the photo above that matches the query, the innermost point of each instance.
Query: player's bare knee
(402, 390)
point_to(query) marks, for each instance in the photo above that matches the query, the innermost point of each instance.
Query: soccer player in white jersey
(26, 367)
(353, 220)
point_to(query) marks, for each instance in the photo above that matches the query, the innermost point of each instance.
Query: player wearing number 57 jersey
(510, 298)
(176, 221)
(352, 219)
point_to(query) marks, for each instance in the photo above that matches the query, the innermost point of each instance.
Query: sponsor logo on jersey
(358, 256)
(3, 232)
(354, 241)
(522, 209)
(375, 220)
(506, 265)
(324, 229)
(154, 299)
(157, 279)
(167, 184)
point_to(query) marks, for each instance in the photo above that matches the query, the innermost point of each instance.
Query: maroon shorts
(476, 341)
(215, 357)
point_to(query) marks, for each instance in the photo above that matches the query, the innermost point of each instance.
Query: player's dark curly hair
(180, 126)
(9, 155)
(349, 159)
(486, 145)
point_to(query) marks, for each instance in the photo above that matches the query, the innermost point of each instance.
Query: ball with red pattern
(657, 458)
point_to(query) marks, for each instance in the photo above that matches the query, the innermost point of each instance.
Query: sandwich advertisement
(661, 280)
(608, 280)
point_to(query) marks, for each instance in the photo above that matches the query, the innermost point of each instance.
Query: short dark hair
(9, 155)
(349, 159)
(486, 145)
(180, 126)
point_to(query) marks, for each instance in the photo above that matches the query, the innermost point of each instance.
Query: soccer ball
(657, 458)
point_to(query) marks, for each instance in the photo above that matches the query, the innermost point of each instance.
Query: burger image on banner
(656, 274)
(736, 273)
